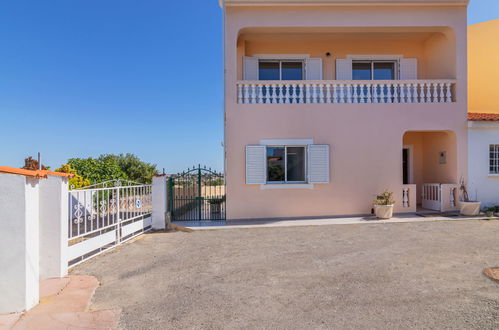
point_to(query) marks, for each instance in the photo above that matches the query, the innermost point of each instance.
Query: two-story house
(329, 102)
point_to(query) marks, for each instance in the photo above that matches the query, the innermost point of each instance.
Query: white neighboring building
(483, 158)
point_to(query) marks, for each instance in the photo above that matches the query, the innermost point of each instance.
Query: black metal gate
(197, 194)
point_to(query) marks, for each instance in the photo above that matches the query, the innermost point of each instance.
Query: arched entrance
(429, 160)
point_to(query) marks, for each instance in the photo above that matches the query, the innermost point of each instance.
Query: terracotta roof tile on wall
(474, 116)
(30, 173)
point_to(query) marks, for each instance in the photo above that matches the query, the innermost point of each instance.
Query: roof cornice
(459, 3)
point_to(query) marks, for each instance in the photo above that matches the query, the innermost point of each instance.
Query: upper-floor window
(494, 159)
(280, 70)
(285, 67)
(374, 70)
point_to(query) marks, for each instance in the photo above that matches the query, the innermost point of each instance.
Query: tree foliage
(113, 167)
(77, 181)
(134, 168)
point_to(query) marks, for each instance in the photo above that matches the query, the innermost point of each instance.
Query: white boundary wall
(482, 185)
(19, 242)
(35, 215)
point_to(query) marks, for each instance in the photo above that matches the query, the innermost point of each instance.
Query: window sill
(287, 186)
(493, 175)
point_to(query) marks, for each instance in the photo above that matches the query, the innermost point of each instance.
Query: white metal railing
(101, 218)
(335, 91)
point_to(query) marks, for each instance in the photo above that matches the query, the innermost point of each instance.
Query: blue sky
(80, 78)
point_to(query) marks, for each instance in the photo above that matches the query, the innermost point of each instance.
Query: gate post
(159, 199)
(54, 217)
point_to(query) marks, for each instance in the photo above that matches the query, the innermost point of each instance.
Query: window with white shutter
(288, 165)
(344, 69)
(269, 69)
(313, 69)
(250, 68)
(408, 69)
(318, 163)
(255, 165)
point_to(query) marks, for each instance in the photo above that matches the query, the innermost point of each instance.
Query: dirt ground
(406, 275)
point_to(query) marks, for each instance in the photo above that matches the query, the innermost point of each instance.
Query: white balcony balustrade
(379, 91)
(408, 199)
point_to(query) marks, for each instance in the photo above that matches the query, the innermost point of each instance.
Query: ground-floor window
(494, 159)
(286, 164)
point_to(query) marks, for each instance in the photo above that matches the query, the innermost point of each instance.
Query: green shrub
(385, 198)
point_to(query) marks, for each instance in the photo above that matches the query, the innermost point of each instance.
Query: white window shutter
(255, 165)
(313, 69)
(250, 68)
(408, 69)
(344, 69)
(318, 163)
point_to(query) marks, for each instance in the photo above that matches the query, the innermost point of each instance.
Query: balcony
(336, 91)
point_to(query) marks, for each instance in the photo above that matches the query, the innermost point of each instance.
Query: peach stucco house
(329, 102)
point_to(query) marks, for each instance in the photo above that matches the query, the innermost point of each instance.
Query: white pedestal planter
(469, 208)
(383, 211)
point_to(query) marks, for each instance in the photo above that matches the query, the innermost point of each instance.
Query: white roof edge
(343, 3)
(483, 124)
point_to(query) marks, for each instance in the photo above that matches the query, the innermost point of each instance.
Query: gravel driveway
(408, 275)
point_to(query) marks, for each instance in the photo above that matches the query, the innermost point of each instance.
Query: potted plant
(383, 205)
(490, 211)
(467, 207)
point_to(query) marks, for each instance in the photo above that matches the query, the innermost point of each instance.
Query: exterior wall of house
(482, 186)
(365, 140)
(483, 70)
(439, 55)
(434, 49)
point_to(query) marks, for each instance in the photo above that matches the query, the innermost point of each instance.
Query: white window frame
(283, 58)
(287, 143)
(286, 164)
(396, 67)
(280, 66)
(378, 58)
(495, 160)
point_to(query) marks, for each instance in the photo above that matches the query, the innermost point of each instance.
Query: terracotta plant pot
(383, 211)
(469, 208)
